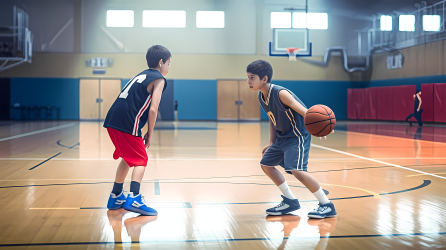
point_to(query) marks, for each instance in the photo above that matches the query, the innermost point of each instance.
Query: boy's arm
(419, 105)
(287, 99)
(158, 86)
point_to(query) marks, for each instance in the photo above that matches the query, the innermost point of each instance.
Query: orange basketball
(320, 120)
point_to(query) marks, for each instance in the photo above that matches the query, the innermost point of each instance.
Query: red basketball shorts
(128, 147)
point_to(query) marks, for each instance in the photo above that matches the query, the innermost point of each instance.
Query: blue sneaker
(323, 211)
(136, 204)
(285, 207)
(116, 201)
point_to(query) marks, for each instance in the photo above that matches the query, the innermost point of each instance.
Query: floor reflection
(436, 133)
(132, 225)
(316, 231)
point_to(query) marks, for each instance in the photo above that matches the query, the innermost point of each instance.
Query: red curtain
(397, 102)
(384, 104)
(368, 107)
(403, 101)
(427, 98)
(351, 110)
(439, 102)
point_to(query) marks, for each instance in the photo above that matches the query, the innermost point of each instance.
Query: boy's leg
(418, 117)
(407, 118)
(134, 202)
(117, 197)
(312, 184)
(137, 175)
(121, 173)
(272, 157)
(326, 207)
(296, 156)
(277, 177)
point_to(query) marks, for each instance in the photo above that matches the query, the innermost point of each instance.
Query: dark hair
(155, 54)
(261, 68)
(418, 91)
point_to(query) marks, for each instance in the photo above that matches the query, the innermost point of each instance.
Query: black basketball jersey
(286, 121)
(130, 111)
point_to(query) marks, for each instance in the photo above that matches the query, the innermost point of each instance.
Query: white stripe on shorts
(298, 161)
(303, 140)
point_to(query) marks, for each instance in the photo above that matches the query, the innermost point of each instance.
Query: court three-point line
(377, 161)
(38, 132)
(45, 161)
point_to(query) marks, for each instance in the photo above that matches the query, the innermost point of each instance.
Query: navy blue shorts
(290, 153)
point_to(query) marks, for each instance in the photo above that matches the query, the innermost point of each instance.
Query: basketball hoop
(292, 52)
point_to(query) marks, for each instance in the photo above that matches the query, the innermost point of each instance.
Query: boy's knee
(298, 173)
(266, 168)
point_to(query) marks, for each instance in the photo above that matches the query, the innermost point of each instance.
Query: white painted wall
(240, 35)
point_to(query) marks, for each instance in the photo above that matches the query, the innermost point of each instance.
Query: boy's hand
(320, 138)
(147, 140)
(265, 148)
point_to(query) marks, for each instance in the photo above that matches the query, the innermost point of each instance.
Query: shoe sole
(140, 211)
(114, 208)
(279, 213)
(320, 217)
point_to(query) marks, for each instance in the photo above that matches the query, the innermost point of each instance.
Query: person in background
(417, 110)
(176, 110)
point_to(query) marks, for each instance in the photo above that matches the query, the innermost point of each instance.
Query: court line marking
(52, 208)
(374, 160)
(38, 132)
(376, 195)
(161, 204)
(421, 174)
(424, 184)
(220, 240)
(201, 159)
(69, 147)
(45, 161)
(157, 187)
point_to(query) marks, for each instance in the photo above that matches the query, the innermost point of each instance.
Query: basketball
(320, 120)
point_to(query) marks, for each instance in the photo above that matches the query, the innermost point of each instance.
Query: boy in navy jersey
(136, 104)
(289, 144)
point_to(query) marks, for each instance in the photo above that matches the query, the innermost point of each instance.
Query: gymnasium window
(210, 19)
(280, 20)
(316, 21)
(164, 18)
(431, 22)
(120, 18)
(407, 23)
(386, 23)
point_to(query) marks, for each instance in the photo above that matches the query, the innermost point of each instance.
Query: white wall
(238, 36)
(247, 26)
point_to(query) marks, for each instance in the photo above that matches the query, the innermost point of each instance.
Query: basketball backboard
(290, 38)
(16, 42)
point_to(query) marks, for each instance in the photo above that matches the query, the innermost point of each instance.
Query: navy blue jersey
(130, 111)
(286, 121)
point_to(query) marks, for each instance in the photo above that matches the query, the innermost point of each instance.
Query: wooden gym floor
(205, 181)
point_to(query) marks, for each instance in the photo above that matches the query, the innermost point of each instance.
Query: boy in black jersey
(137, 104)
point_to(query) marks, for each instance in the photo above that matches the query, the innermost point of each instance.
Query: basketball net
(292, 52)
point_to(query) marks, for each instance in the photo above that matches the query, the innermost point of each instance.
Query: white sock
(321, 197)
(286, 191)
